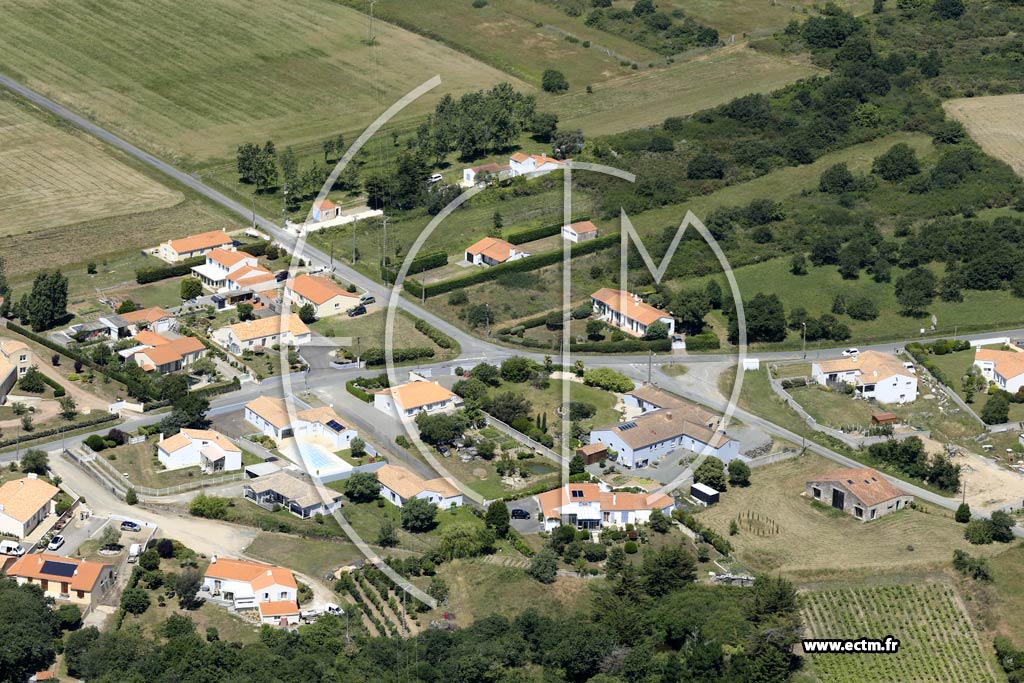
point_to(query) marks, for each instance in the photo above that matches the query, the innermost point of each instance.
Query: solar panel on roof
(65, 569)
(336, 426)
(628, 425)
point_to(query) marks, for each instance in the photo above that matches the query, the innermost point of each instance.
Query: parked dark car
(519, 513)
(281, 276)
(356, 310)
(130, 526)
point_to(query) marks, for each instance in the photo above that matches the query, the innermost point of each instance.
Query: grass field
(938, 644)
(309, 556)
(139, 461)
(648, 97)
(815, 541)
(1008, 570)
(368, 331)
(193, 85)
(995, 124)
(55, 176)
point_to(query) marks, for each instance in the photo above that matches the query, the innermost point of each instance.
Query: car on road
(128, 525)
(367, 299)
(356, 310)
(851, 352)
(55, 543)
(519, 513)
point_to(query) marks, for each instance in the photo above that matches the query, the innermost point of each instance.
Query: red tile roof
(84, 578)
(866, 484)
(629, 305)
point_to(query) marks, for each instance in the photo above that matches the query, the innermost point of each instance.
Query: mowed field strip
(648, 97)
(51, 176)
(996, 123)
(193, 80)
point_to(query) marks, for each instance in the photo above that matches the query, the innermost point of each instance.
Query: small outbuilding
(592, 453)
(858, 491)
(885, 418)
(703, 494)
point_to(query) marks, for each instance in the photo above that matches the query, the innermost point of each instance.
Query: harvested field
(995, 123)
(57, 176)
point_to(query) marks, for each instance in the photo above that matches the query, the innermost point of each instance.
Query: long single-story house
(876, 375)
(415, 397)
(159, 354)
(24, 504)
(204, 448)
(592, 506)
(858, 491)
(196, 245)
(64, 579)
(325, 295)
(580, 231)
(399, 485)
(1005, 369)
(271, 590)
(15, 360)
(666, 424)
(263, 332)
(628, 312)
(490, 251)
(270, 416)
(293, 491)
(533, 165)
(477, 174)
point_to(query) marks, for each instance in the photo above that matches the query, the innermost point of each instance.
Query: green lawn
(954, 366)
(369, 331)
(143, 468)
(482, 476)
(166, 293)
(1008, 573)
(230, 628)
(548, 400)
(313, 557)
(366, 519)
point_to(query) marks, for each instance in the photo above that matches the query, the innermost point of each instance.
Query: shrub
(703, 342)
(436, 335)
(554, 81)
(630, 547)
(608, 379)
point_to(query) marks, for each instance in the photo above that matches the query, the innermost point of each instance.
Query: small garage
(703, 494)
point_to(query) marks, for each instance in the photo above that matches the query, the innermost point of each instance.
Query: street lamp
(805, 340)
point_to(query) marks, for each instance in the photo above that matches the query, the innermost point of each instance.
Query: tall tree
(47, 302)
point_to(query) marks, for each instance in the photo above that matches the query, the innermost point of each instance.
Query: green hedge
(436, 335)
(357, 391)
(377, 356)
(256, 248)
(523, 265)
(212, 390)
(34, 436)
(58, 390)
(703, 342)
(531, 234)
(623, 346)
(146, 275)
(434, 259)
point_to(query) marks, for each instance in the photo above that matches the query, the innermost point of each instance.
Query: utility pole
(370, 39)
(355, 229)
(284, 207)
(488, 308)
(650, 363)
(805, 341)
(254, 211)
(384, 251)
(332, 256)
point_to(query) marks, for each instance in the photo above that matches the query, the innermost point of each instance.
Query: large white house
(1005, 369)
(628, 312)
(399, 485)
(24, 504)
(15, 360)
(592, 506)
(271, 417)
(196, 245)
(207, 449)
(876, 375)
(230, 270)
(325, 295)
(666, 425)
(415, 397)
(533, 165)
(263, 332)
(490, 251)
(272, 590)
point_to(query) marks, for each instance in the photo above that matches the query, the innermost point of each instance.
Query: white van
(11, 548)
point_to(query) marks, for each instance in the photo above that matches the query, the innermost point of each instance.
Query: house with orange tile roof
(399, 485)
(272, 417)
(263, 332)
(195, 245)
(325, 295)
(251, 585)
(592, 506)
(207, 449)
(580, 231)
(325, 210)
(153, 318)
(533, 165)
(24, 504)
(873, 374)
(15, 360)
(415, 397)
(858, 491)
(1005, 369)
(490, 251)
(159, 354)
(64, 579)
(628, 312)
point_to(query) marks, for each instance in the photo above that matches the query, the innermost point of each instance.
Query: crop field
(648, 97)
(995, 123)
(193, 85)
(56, 176)
(814, 540)
(938, 644)
(742, 17)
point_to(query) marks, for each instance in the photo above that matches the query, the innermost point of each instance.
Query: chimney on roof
(213, 560)
(32, 475)
(668, 415)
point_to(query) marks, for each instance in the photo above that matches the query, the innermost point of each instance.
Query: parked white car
(55, 543)
(851, 352)
(11, 548)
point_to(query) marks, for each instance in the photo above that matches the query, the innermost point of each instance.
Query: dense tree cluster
(910, 458)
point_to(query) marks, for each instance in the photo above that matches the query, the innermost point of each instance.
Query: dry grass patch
(995, 123)
(813, 540)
